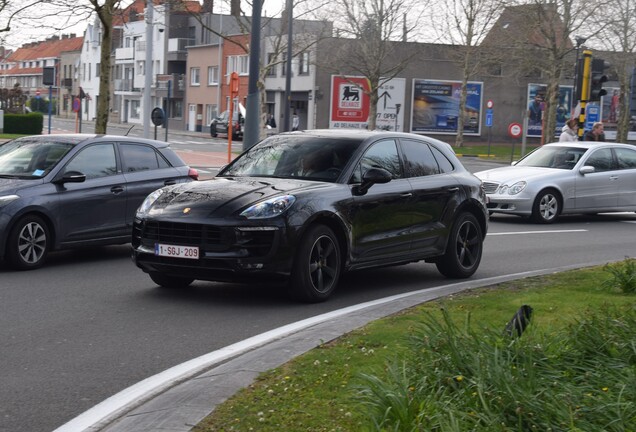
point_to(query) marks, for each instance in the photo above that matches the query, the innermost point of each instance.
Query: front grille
(490, 187)
(180, 233)
(210, 238)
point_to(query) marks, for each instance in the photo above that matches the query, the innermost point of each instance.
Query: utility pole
(148, 70)
(252, 114)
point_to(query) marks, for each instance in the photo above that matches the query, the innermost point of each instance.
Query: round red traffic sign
(514, 130)
(489, 104)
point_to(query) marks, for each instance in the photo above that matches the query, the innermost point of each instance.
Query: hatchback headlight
(145, 206)
(269, 208)
(514, 189)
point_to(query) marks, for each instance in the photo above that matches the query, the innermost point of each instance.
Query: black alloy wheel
(464, 250)
(317, 266)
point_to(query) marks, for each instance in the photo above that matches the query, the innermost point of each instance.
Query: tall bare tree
(306, 34)
(542, 42)
(620, 37)
(12, 10)
(465, 23)
(372, 27)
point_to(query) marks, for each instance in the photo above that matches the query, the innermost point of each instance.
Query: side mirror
(587, 169)
(371, 177)
(70, 177)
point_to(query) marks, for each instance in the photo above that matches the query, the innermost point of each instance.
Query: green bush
(458, 379)
(623, 276)
(26, 124)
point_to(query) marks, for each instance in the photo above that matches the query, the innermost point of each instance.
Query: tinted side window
(95, 161)
(444, 164)
(626, 158)
(137, 157)
(601, 160)
(382, 154)
(419, 160)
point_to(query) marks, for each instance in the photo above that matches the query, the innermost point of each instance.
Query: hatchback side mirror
(70, 177)
(371, 177)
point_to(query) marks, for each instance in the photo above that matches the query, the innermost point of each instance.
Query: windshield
(553, 157)
(295, 156)
(23, 158)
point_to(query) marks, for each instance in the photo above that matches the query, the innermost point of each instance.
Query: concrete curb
(179, 398)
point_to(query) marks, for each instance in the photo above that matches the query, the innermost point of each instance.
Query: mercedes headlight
(514, 189)
(269, 208)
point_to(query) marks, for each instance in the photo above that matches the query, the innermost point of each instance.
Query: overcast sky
(26, 29)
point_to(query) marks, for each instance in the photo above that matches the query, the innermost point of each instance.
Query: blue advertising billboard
(435, 108)
(536, 108)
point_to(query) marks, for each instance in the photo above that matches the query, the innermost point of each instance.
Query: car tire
(28, 243)
(464, 249)
(546, 207)
(172, 282)
(317, 266)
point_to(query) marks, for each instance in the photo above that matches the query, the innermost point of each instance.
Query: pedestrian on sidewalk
(569, 133)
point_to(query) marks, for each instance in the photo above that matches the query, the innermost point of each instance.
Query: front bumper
(509, 204)
(227, 253)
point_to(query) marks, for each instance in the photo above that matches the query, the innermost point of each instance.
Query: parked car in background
(565, 178)
(220, 124)
(63, 191)
(302, 207)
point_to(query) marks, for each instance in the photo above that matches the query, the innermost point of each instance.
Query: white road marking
(536, 232)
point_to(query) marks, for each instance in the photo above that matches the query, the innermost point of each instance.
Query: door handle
(452, 189)
(406, 195)
(169, 182)
(117, 189)
(613, 177)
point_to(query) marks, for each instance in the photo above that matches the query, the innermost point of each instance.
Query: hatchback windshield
(29, 159)
(287, 156)
(553, 157)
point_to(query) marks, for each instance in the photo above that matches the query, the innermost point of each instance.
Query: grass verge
(499, 152)
(448, 362)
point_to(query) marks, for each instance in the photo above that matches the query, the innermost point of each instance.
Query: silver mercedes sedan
(565, 178)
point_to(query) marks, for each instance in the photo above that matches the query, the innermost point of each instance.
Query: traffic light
(597, 79)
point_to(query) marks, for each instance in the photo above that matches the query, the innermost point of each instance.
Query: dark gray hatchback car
(63, 191)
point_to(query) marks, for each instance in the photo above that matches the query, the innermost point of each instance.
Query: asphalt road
(91, 324)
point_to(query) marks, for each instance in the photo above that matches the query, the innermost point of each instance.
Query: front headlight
(6, 199)
(269, 208)
(145, 206)
(514, 189)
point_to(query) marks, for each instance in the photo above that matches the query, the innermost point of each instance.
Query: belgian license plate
(175, 251)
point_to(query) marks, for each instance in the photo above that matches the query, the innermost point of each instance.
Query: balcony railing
(179, 44)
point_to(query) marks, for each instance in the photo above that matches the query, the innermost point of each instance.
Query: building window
(195, 78)
(213, 75)
(135, 109)
(97, 66)
(211, 112)
(244, 65)
(285, 66)
(271, 60)
(303, 63)
(239, 64)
